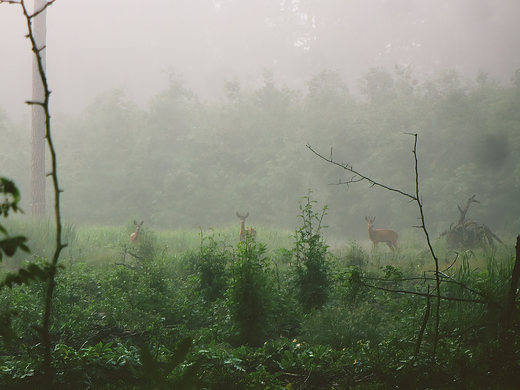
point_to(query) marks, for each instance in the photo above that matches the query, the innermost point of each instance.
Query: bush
(212, 273)
(249, 298)
(312, 266)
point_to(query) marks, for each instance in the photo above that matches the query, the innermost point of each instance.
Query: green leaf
(8, 187)
(25, 275)
(11, 244)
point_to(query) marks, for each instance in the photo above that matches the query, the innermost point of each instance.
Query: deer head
(135, 236)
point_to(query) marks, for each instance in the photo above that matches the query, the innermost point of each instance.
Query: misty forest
(326, 197)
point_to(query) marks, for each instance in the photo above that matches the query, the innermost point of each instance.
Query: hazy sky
(94, 45)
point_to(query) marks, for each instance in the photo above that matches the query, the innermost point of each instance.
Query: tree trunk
(38, 117)
(511, 302)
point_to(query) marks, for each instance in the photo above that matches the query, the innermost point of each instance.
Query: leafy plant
(159, 373)
(249, 295)
(11, 194)
(312, 259)
(212, 269)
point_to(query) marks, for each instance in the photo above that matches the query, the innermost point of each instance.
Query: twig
(134, 255)
(425, 279)
(44, 330)
(428, 295)
(49, 3)
(358, 177)
(424, 323)
(127, 266)
(418, 200)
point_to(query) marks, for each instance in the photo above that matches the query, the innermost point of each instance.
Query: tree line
(184, 162)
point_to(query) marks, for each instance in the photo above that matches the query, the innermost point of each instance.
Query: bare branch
(428, 295)
(449, 280)
(418, 199)
(424, 324)
(357, 175)
(49, 3)
(127, 266)
(31, 103)
(135, 256)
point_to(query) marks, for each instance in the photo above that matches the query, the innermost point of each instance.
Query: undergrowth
(241, 305)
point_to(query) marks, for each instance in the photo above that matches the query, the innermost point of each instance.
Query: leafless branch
(418, 199)
(127, 266)
(428, 295)
(49, 3)
(424, 324)
(135, 256)
(358, 176)
(449, 280)
(460, 334)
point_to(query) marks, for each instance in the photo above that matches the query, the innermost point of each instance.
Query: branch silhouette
(359, 177)
(59, 245)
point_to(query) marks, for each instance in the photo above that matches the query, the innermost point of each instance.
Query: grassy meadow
(114, 297)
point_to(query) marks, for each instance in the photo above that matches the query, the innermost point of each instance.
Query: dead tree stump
(468, 234)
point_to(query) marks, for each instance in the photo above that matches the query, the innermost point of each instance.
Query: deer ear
(135, 222)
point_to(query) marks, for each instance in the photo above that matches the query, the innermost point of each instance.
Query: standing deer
(243, 231)
(135, 236)
(387, 236)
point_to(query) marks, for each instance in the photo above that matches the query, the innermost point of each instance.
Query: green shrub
(211, 269)
(311, 266)
(249, 297)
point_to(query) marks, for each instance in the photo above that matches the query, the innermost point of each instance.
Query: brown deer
(387, 236)
(135, 236)
(243, 231)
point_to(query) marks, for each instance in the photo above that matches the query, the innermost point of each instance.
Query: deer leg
(391, 246)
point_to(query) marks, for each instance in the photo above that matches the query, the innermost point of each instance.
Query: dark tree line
(183, 161)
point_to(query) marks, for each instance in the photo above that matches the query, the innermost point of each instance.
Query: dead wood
(468, 234)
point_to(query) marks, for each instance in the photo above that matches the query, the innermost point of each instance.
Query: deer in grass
(135, 236)
(243, 231)
(387, 236)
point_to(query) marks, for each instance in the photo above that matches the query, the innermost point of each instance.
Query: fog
(96, 45)
(181, 113)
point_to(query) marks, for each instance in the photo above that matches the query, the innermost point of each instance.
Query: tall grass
(106, 245)
(41, 234)
(99, 244)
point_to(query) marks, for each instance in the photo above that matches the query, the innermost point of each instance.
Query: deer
(243, 231)
(135, 236)
(387, 236)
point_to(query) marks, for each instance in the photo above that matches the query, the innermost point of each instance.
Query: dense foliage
(183, 162)
(311, 258)
(225, 314)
